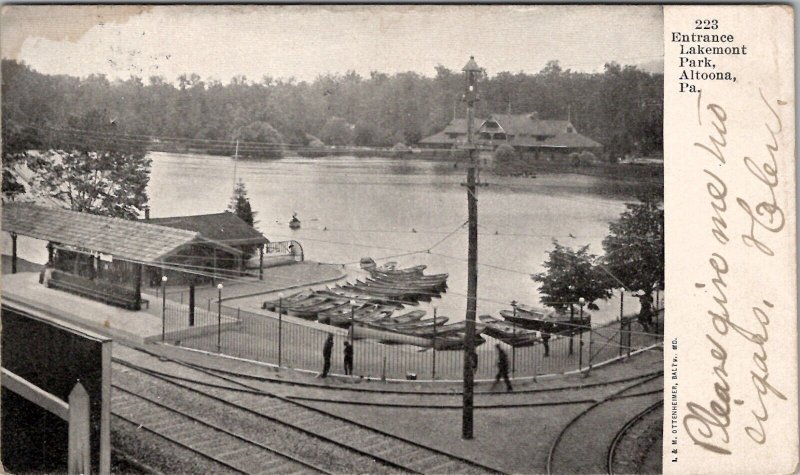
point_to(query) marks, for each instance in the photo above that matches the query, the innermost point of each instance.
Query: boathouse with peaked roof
(527, 133)
(105, 258)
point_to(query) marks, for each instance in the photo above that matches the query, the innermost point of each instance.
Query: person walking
(502, 367)
(327, 350)
(546, 343)
(348, 358)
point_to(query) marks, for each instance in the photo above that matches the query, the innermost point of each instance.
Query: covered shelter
(225, 228)
(104, 258)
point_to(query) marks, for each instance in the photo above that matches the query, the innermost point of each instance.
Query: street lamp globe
(581, 301)
(219, 286)
(164, 279)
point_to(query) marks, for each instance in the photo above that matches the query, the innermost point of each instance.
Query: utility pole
(235, 162)
(470, 97)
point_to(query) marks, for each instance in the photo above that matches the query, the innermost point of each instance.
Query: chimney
(147, 213)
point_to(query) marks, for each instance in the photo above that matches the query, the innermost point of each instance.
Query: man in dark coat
(348, 358)
(502, 367)
(546, 343)
(327, 351)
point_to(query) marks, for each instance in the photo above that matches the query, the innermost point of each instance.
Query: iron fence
(285, 342)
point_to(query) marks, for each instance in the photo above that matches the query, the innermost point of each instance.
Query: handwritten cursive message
(710, 423)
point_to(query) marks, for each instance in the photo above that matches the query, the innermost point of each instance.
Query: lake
(356, 207)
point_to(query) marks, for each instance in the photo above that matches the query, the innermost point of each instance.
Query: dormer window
(570, 129)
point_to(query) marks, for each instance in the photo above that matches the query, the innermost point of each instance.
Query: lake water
(355, 207)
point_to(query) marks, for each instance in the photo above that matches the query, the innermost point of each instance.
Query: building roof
(221, 227)
(438, 138)
(126, 240)
(523, 129)
(524, 124)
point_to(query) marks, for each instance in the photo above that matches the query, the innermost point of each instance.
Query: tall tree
(571, 274)
(101, 173)
(240, 204)
(635, 250)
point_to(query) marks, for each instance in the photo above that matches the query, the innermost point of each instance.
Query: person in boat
(348, 358)
(327, 351)
(502, 367)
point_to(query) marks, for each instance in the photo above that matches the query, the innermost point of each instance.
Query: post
(352, 320)
(621, 320)
(79, 456)
(581, 301)
(590, 347)
(572, 327)
(50, 249)
(513, 347)
(137, 283)
(280, 328)
(13, 253)
(433, 366)
(191, 304)
(261, 262)
(471, 95)
(163, 308)
(219, 318)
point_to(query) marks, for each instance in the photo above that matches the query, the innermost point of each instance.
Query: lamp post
(280, 328)
(581, 301)
(433, 368)
(472, 73)
(352, 320)
(513, 347)
(219, 317)
(163, 307)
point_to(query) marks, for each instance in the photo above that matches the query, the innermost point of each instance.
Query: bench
(103, 292)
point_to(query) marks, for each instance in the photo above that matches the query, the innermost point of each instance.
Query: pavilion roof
(221, 227)
(127, 240)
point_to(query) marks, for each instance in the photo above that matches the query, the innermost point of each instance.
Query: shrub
(505, 154)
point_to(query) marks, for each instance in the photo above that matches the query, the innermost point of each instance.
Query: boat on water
(310, 312)
(415, 270)
(453, 342)
(385, 292)
(345, 315)
(291, 299)
(550, 322)
(409, 325)
(430, 278)
(508, 332)
(410, 289)
(361, 298)
(406, 318)
(294, 223)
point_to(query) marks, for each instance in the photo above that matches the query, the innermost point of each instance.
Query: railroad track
(612, 449)
(360, 448)
(573, 451)
(477, 392)
(231, 450)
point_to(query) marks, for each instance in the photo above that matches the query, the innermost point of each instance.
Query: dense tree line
(620, 107)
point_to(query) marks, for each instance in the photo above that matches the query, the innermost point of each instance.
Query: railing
(76, 413)
(284, 342)
(284, 248)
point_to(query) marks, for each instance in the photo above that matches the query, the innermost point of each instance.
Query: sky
(219, 42)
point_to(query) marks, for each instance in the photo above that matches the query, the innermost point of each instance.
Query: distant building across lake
(525, 132)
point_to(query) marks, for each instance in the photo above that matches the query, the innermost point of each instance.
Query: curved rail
(256, 391)
(419, 393)
(214, 427)
(616, 395)
(169, 379)
(627, 427)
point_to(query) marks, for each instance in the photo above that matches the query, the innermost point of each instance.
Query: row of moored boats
(374, 308)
